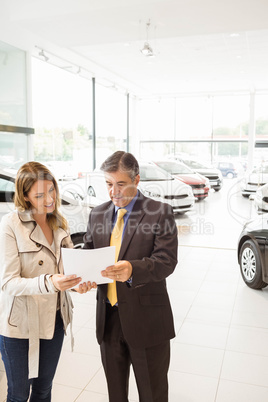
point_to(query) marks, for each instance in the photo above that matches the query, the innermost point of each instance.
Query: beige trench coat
(28, 301)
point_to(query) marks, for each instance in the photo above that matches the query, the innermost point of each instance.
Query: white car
(261, 199)
(154, 183)
(73, 206)
(254, 180)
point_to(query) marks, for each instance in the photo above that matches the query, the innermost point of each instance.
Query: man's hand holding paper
(121, 271)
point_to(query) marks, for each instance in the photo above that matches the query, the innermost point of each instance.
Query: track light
(147, 49)
(42, 54)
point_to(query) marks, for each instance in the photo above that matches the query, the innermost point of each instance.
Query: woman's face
(42, 196)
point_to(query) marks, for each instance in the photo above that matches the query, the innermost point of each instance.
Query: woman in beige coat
(35, 308)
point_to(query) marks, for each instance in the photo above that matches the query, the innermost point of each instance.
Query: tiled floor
(220, 352)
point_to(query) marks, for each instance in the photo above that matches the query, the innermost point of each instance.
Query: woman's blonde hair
(27, 175)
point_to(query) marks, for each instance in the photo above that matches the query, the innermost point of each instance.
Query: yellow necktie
(116, 239)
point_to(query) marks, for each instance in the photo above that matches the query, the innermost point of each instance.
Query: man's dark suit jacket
(150, 244)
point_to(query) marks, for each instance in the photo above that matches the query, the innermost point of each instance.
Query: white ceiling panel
(199, 45)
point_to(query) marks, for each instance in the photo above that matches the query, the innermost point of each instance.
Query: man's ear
(137, 179)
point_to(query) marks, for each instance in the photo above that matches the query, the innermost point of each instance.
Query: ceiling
(199, 45)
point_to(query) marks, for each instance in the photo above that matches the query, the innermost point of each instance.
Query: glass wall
(194, 122)
(261, 112)
(13, 86)
(156, 121)
(13, 105)
(62, 116)
(111, 122)
(210, 128)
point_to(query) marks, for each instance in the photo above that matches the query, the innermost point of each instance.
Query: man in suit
(137, 326)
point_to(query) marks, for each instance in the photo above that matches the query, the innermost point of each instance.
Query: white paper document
(88, 263)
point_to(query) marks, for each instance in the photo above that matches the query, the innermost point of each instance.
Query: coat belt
(33, 320)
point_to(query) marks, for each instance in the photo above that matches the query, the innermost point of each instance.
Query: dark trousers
(15, 357)
(150, 365)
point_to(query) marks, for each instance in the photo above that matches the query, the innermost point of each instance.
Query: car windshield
(73, 194)
(153, 173)
(195, 165)
(7, 184)
(175, 167)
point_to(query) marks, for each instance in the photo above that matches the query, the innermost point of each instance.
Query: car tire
(91, 191)
(246, 195)
(77, 239)
(230, 175)
(250, 265)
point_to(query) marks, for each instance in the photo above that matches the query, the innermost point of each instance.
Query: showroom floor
(220, 352)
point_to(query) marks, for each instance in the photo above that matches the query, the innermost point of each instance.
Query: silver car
(154, 182)
(254, 180)
(261, 199)
(73, 206)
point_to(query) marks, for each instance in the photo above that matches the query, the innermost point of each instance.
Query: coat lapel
(37, 236)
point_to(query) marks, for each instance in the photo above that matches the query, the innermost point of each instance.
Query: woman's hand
(64, 282)
(86, 287)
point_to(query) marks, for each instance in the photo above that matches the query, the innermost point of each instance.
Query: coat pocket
(18, 312)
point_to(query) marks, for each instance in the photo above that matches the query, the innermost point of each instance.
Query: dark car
(229, 169)
(253, 252)
(214, 175)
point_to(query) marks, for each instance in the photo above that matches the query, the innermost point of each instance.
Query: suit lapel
(133, 222)
(107, 222)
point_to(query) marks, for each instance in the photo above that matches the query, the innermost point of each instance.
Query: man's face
(120, 187)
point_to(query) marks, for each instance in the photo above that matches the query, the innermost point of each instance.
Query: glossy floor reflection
(220, 351)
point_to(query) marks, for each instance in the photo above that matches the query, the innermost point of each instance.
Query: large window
(261, 112)
(13, 109)
(62, 116)
(111, 122)
(210, 128)
(13, 106)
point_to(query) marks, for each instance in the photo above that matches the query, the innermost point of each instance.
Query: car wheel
(91, 191)
(77, 240)
(246, 195)
(230, 175)
(250, 265)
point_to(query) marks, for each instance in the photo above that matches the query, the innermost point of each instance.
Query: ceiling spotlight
(147, 49)
(42, 54)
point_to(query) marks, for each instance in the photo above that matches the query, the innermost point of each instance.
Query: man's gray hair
(121, 160)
